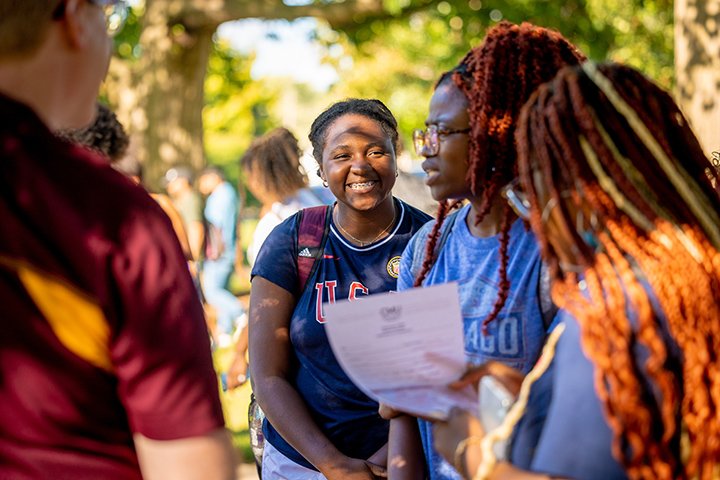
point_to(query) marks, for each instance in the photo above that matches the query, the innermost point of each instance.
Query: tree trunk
(170, 75)
(697, 67)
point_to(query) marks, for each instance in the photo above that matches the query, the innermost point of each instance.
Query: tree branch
(210, 13)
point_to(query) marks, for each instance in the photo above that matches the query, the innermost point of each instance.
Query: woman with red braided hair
(469, 155)
(620, 197)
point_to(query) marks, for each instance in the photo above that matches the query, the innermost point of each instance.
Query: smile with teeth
(361, 185)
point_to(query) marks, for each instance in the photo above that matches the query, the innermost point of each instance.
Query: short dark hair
(370, 108)
(24, 25)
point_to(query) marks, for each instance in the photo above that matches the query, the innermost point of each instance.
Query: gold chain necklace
(361, 242)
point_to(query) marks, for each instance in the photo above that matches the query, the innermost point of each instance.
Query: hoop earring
(325, 184)
(396, 173)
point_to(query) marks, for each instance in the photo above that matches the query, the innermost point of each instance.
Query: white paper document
(403, 348)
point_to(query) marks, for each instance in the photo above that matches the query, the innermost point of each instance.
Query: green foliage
(237, 108)
(642, 34)
(398, 56)
(398, 59)
(127, 41)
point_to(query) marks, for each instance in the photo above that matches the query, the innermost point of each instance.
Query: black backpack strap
(313, 229)
(419, 251)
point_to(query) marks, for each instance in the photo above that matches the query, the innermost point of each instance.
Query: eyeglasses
(517, 199)
(116, 13)
(520, 203)
(427, 142)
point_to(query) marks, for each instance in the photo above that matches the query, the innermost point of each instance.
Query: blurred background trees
(189, 98)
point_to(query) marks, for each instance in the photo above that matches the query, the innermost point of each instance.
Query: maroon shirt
(101, 331)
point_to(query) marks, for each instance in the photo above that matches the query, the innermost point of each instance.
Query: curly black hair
(105, 135)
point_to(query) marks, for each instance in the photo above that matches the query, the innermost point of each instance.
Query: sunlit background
(263, 73)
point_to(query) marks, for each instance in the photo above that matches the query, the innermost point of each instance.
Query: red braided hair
(652, 238)
(497, 77)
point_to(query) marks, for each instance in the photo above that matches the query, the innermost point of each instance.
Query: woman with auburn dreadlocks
(616, 189)
(469, 155)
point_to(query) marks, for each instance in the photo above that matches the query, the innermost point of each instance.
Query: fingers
(471, 377)
(388, 412)
(509, 377)
(377, 470)
(237, 374)
(235, 381)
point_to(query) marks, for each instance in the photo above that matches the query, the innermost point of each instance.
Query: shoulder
(106, 199)
(226, 189)
(192, 198)
(416, 216)
(423, 233)
(223, 193)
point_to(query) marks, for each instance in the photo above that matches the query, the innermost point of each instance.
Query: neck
(366, 226)
(492, 222)
(44, 81)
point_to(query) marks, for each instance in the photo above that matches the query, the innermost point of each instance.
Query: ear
(75, 21)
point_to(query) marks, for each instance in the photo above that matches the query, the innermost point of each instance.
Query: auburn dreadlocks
(497, 78)
(608, 141)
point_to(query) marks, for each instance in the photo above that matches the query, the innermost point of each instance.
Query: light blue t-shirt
(516, 336)
(221, 210)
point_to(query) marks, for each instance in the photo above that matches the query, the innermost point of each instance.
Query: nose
(425, 149)
(360, 164)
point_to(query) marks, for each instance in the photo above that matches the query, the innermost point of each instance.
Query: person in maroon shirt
(105, 366)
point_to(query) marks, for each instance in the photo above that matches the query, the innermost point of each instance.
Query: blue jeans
(216, 274)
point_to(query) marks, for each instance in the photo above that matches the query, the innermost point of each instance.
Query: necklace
(362, 243)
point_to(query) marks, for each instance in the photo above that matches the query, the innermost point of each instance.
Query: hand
(349, 468)
(377, 462)
(510, 378)
(387, 412)
(377, 470)
(237, 374)
(459, 426)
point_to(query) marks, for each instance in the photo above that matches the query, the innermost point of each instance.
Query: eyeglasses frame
(111, 8)
(422, 138)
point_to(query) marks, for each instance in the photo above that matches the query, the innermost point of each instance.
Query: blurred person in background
(179, 186)
(221, 219)
(105, 373)
(273, 174)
